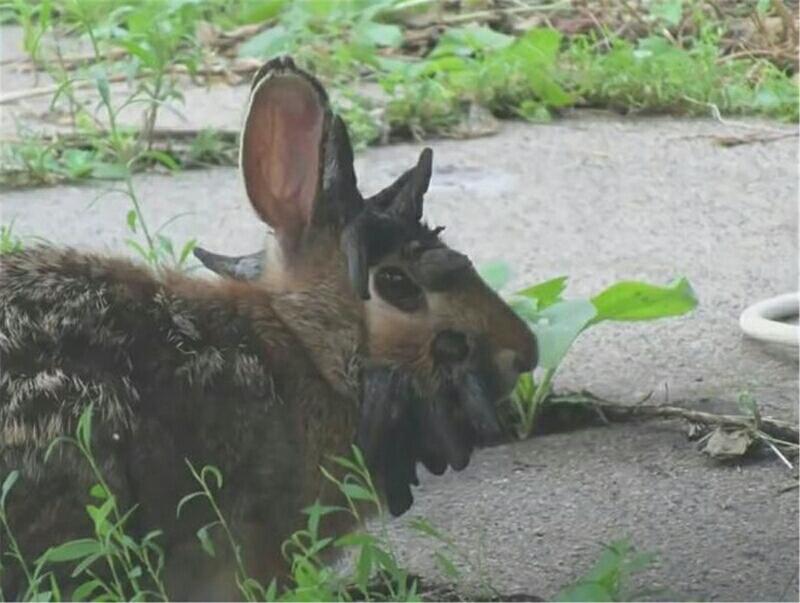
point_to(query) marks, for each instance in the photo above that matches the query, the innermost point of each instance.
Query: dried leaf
(728, 444)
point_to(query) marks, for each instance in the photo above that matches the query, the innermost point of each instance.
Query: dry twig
(775, 428)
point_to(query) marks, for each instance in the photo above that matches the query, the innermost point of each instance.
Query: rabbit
(358, 324)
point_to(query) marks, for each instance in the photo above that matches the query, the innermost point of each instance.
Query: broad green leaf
(464, 41)
(495, 274)
(557, 327)
(485, 38)
(267, 44)
(69, 551)
(540, 45)
(261, 11)
(379, 34)
(632, 300)
(391, 64)
(548, 90)
(525, 307)
(546, 293)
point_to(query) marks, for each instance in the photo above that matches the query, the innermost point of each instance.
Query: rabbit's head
(439, 348)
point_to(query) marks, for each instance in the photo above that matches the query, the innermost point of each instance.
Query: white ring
(760, 320)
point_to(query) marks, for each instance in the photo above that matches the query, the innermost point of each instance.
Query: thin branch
(782, 430)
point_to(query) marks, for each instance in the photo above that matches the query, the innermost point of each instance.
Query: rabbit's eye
(395, 287)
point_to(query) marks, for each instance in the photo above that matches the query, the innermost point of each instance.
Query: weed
(655, 75)
(609, 579)
(557, 322)
(533, 75)
(9, 242)
(210, 147)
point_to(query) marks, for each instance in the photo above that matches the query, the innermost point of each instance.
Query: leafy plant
(533, 75)
(557, 323)
(656, 75)
(609, 579)
(8, 240)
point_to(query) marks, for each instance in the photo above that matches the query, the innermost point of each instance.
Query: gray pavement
(599, 198)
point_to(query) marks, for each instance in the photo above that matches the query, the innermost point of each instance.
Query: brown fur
(263, 379)
(175, 369)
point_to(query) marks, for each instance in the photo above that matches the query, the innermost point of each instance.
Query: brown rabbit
(363, 327)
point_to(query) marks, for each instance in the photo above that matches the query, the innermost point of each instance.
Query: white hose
(760, 320)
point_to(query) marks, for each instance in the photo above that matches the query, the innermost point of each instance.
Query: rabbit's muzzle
(474, 377)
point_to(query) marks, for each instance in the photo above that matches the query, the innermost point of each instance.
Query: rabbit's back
(174, 369)
(77, 329)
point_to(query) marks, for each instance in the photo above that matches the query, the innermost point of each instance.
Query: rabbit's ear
(244, 267)
(403, 198)
(296, 158)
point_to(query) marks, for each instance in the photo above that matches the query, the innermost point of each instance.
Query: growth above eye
(394, 286)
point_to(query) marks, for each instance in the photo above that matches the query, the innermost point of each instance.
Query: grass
(535, 74)
(112, 564)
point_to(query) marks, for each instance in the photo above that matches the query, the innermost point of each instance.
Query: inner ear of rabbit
(296, 158)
